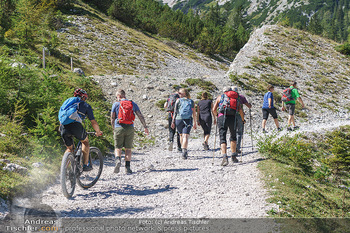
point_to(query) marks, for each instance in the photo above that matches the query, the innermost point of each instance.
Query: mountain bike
(72, 169)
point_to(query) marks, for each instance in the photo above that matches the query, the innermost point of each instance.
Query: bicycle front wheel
(68, 175)
(88, 179)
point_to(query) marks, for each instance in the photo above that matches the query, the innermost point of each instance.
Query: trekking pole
(242, 142)
(251, 130)
(216, 130)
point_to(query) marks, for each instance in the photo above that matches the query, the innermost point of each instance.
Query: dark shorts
(206, 122)
(290, 108)
(75, 129)
(224, 124)
(184, 126)
(267, 111)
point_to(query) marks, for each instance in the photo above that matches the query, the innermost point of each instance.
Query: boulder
(79, 71)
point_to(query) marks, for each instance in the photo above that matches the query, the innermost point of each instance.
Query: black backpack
(171, 102)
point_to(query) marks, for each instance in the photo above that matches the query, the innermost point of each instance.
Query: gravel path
(164, 185)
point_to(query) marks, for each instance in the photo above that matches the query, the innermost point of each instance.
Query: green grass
(305, 174)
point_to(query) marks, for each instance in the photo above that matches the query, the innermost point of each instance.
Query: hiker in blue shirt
(184, 118)
(122, 120)
(268, 108)
(77, 130)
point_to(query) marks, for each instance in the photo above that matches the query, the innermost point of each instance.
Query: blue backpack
(185, 110)
(69, 111)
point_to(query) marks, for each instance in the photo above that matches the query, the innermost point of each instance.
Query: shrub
(160, 104)
(289, 150)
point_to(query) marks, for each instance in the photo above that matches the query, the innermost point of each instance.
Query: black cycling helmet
(80, 93)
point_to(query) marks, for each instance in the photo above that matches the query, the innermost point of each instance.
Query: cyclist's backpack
(287, 95)
(185, 109)
(171, 102)
(69, 111)
(126, 113)
(229, 103)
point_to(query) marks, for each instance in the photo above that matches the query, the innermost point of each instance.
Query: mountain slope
(328, 18)
(275, 55)
(105, 46)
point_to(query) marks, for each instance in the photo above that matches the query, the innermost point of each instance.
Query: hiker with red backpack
(225, 108)
(122, 120)
(240, 126)
(269, 108)
(290, 95)
(184, 118)
(169, 105)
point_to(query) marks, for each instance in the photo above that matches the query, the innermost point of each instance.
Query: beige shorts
(124, 136)
(290, 108)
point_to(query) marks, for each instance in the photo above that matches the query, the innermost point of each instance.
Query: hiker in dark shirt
(227, 121)
(204, 117)
(169, 105)
(239, 122)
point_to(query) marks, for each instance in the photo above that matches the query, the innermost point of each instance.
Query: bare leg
(206, 138)
(276, 123)
(86, 150)
(127, 154)
(185, 138)
(118, 153)
(264, 124)
(233, 146)
(223, 148)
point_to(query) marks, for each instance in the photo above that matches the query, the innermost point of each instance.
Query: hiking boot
(289, 129)
(295, 127)
(264, 131)
(238, 151)
(128, 170)
(224, 161)
(170, 146)
(234, 158)
(184, 154)
(179, 150)
(117, 166)
(279, 129)
(87, 168)
(204, 146)
(207, 147)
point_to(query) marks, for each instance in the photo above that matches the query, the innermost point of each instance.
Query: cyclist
(77, 130)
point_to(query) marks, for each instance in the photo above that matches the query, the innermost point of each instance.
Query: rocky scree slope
(101, 45)
(275, 55)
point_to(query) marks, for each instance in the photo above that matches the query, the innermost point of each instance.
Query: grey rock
(79, 71)
(37, 165)
(11, 167)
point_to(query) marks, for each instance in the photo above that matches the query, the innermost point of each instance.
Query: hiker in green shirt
(290, 106)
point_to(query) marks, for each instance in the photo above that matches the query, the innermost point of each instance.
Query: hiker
(242, 100)
(122, 120)
(225, 108)
(73, 127)
(169, 105)
(269, 108)
(204, 117)
(184, 118)
(289, 98)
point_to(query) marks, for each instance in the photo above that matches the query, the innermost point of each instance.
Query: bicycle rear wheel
(88, 179)
(68, 178)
